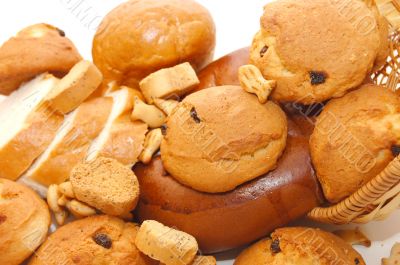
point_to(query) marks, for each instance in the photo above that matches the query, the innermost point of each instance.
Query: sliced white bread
(27, 126)
(2, 98)
(72, 142)
(120, 139)
(75, 87)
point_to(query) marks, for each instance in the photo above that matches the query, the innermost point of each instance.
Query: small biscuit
(24, 222)
(106, 185)
(394, 258)
(167, 245)
(92, 241)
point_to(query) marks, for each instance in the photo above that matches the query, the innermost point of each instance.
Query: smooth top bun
(140, 37)
(24, 222)
(221, 137)
(353, 139)
(92, 241)
(320, 55)
(300, 246)
(35, 50)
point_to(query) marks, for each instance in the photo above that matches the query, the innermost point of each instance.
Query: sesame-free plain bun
(24, 222)
(140, 37)
(219, 138)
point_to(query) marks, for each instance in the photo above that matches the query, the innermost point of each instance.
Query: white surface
(236, 21)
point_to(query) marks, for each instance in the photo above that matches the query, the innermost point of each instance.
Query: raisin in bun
(353, 139)
(140, 37)
(91, 241)
(24, 222)
(35, 50)
(219, 138)
(322, 55)
(300, 246)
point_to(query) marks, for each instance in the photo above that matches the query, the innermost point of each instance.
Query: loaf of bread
(33, 51)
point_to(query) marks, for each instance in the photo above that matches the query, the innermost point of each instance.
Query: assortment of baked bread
(206, 156)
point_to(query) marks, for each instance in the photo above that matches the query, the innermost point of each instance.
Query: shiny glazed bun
(140, 37)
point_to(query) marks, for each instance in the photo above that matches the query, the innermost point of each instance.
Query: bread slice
(75, 87)
(121, 138)
(27, 126)
(2, 98)
(72, 142)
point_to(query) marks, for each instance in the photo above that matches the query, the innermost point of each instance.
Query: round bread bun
(300, 246)
(228, 220)
(219, 138)
(140, 37)
(94, 240)
(319, 56)
(24, 222)
(35, 50)
(357, 134)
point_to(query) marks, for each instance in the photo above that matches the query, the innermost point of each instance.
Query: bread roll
(35, 50)
(140, 37)
(227, 220)
(359, 135)
(300, 246)
(91, 241)
(219, 138)
(24, 222)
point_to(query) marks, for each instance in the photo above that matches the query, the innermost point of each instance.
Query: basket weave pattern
(381, 196)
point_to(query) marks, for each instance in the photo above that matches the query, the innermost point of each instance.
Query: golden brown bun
(35, 50)
(300, 246)
(216, 220)
(140, 37)
(106, 185)
(318, 56)
(219, 138)
(92, 241)
(355, 134)
(24, 222)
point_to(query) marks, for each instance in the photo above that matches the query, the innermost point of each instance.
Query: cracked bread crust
(219, 138)
(290, 47)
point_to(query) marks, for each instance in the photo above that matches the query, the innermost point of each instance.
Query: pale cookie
(175, 81)
(394, 258)
(167, 245)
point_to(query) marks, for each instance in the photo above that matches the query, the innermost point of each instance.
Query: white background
(237, 21)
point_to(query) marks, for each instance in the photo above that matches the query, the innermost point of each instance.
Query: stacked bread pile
(224, 152)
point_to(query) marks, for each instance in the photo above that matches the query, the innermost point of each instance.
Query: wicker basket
(381, 196)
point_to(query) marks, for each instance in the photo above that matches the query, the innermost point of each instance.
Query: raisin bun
(321, 55)
(35, 50)
(24, 222)
(354, 139)
(219, 138)
(91, 241)
(140, 37)
(300, 246)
